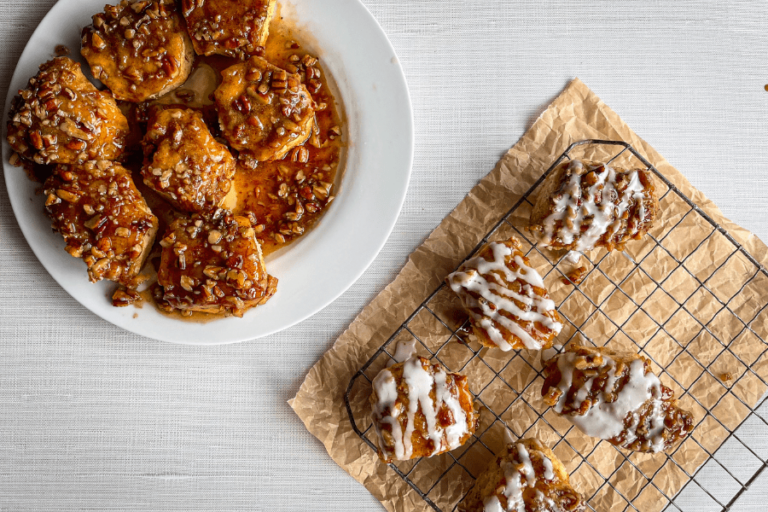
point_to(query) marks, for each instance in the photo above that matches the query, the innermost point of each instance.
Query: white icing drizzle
(480, 276)
(508, 436)
(419, 384)
(443, 395)
(386, 392)
(605, 420)
(549, 470)
(404, 350)
(530, 474)
(606, 218)
(573, 257)
(492, 504)
(548, 502)
(513, 489)
(518, 474)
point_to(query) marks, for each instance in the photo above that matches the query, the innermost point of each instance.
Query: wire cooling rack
(682, 335)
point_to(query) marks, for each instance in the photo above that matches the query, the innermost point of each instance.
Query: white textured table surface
(94, 418)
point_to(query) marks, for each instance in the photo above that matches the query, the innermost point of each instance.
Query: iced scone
(615, 396)
(583, 205)
(508, 305)
(525, 477)
(419, 409)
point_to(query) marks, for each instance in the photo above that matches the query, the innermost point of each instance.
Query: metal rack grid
(456, 335)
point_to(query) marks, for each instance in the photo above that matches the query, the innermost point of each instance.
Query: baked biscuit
(264, 111)
(505, 297)
(235, 28)
(184, 163)
(60, 117)
(139, 49)
(615, 396)
(583, 205)
(103, 218)
(212, 263)
(526, 476)
(420, 410)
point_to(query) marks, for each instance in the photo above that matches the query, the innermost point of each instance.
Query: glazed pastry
(614, 396)
(139, 49)
(62, 118)
(212, 263)
(103, 218)
(235, 28)
(525, 477)
(508, 306)
(583, 205)
(420, 410)
(184, 163)
(264, 111)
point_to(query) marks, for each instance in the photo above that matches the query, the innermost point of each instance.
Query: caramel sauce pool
(273, 190)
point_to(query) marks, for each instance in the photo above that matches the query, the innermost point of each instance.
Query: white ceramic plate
(318, 268)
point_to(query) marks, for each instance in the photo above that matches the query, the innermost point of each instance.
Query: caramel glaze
(277, 192)
(184, 163)
(103, 219)
(274, 189)
(264, 111)
(211, 263)
(226, 27)
(61, 118)
(287, 197)
(139, 49)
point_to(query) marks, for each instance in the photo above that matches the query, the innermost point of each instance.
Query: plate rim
(159, 335)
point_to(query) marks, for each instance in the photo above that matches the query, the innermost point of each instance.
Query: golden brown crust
(60, 117)
(543, 494)
(235, 28)
(264, 111)
(386, 413)
(576, 184)
(508, 314)
(184, 163)
(139, 49)
(597, 376)
(212, 263)
(103, 218)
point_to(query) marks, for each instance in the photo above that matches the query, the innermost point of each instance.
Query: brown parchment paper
(719, 372)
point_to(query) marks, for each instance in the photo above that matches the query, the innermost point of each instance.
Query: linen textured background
(94, 418)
